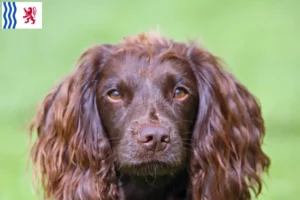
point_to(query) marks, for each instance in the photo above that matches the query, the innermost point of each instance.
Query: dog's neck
(154, 188)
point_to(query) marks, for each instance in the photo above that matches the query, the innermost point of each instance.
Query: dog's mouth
(149, 168)
(138, 161)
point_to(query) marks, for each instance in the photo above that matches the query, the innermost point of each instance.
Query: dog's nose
(154, 138)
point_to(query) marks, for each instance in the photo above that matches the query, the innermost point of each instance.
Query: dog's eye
(114, 95)
(179, 93)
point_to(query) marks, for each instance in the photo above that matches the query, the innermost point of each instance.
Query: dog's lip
(157, 164)
(147, 160)
(150, 157)
(151, 162)
(149, 168)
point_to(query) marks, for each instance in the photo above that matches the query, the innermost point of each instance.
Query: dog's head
(148, 101)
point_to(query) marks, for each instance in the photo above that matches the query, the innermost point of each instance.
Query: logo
(21, 15)
(30, 14)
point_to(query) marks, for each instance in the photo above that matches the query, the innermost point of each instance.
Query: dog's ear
(71, 155)
(227, 158)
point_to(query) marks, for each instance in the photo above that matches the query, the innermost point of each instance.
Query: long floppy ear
(71, 155)
(227, 158)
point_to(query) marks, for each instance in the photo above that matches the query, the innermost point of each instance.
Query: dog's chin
(151, 168)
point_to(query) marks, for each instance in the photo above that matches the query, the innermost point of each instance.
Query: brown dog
(149, 119)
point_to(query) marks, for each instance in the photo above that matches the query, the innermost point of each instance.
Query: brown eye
(180, 93)
(114, 95)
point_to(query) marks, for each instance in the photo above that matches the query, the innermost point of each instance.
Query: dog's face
(148, 110)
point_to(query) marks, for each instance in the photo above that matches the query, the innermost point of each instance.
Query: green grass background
(259, 40)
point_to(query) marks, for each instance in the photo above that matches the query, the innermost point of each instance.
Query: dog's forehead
(134, 68)
(146, 70)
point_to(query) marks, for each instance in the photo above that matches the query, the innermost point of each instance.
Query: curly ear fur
(227, 157)
(71, 155)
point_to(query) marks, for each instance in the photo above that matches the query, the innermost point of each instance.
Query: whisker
(110, 156)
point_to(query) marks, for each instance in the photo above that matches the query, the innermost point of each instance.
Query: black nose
(154, 138)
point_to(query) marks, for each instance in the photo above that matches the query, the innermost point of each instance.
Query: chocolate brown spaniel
(149, 119)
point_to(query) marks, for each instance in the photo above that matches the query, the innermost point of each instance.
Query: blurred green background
(258, 39)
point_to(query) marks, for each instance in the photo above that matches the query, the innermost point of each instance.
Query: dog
(149, 118)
